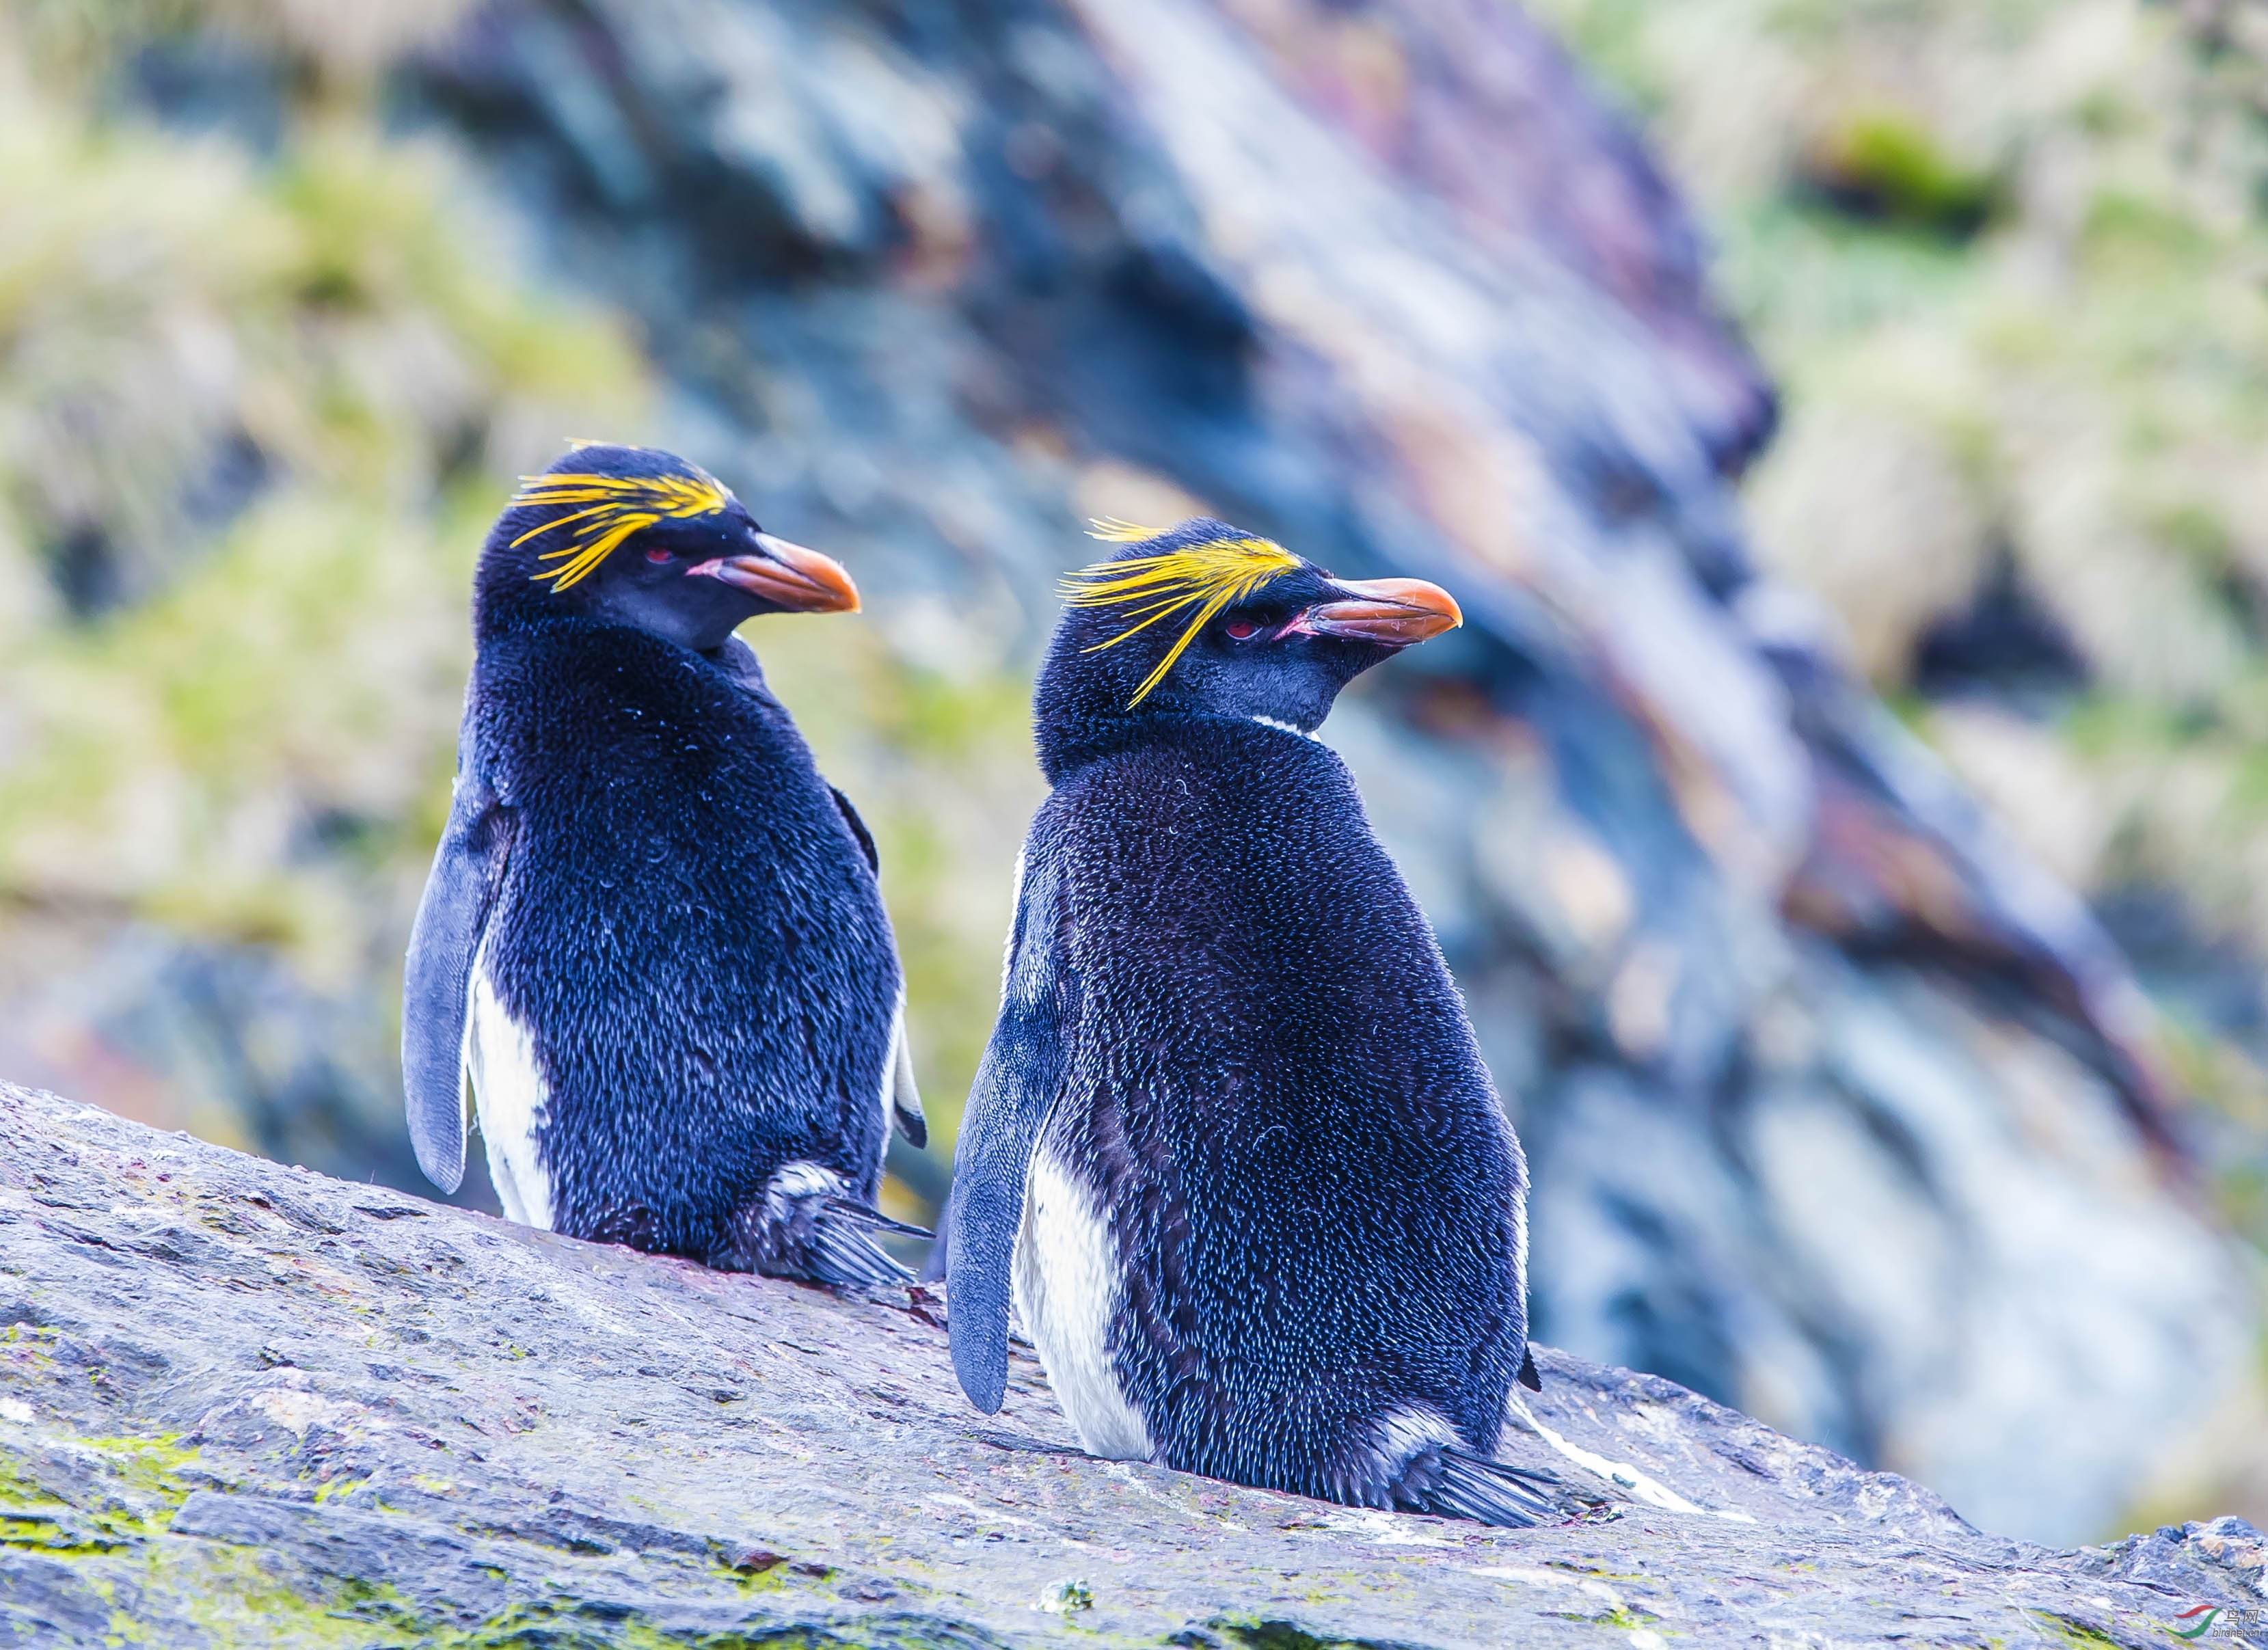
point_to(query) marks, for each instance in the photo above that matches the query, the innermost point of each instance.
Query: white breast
(500, 1064)
(1068, 1288)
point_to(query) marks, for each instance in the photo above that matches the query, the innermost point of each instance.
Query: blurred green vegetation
(2006, 258)
(253, 410)
(941, 769)
(1879, 163)
(2008, 261)
(257, 404)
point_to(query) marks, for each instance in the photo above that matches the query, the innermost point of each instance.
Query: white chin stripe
(1068, 1289)
(499, 1059)
(1270, 721)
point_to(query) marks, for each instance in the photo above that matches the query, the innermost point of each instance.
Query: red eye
(658, 555)
(1243, 630)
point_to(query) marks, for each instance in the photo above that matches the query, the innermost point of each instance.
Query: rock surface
(247, 1405)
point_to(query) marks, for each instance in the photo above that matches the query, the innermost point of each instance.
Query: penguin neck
(1069, 743)
(514, 611)
(1090, 703)
(504, 600)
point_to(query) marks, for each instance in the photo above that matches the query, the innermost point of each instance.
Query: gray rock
(245, 1406)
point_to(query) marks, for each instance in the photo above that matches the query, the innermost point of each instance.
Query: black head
(639, 537)
(1207, 620)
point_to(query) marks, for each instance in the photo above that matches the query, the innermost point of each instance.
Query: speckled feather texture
(245, 1406)
(688, 927)
(1269, 1079)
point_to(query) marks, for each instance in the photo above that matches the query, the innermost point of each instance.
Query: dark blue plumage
(1233, 1148)
(653, 947)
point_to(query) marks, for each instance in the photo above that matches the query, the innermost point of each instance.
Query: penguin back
(688, 928)
(1315, 1195)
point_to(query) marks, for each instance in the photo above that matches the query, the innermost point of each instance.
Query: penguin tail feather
(1453, 1482)
(875, 1220)
(842, 1249)
(806, 1226)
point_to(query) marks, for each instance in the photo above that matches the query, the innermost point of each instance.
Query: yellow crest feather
(1111, 530)
(1205, 577)
(611, 508)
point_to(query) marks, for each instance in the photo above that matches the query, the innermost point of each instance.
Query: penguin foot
(806, 1226)
(1449, 1482)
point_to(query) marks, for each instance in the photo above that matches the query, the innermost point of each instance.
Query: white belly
(1068, 1288)
(499, 1063)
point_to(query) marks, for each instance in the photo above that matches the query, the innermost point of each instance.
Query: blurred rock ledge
(245, 1406)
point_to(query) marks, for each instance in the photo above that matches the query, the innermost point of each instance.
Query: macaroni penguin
(1231, 1150)
(652, 953)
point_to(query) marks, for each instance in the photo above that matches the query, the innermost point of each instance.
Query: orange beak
(1396, 612)
(787, 576)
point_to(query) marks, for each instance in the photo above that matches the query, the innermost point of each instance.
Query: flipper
(806, 1226)
(901, 1095)
(460, 891)
(1452, 1482)
(1015, 1085)
(859, 829)
(903, 1098)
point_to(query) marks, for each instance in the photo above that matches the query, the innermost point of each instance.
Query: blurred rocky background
(1846, 809)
